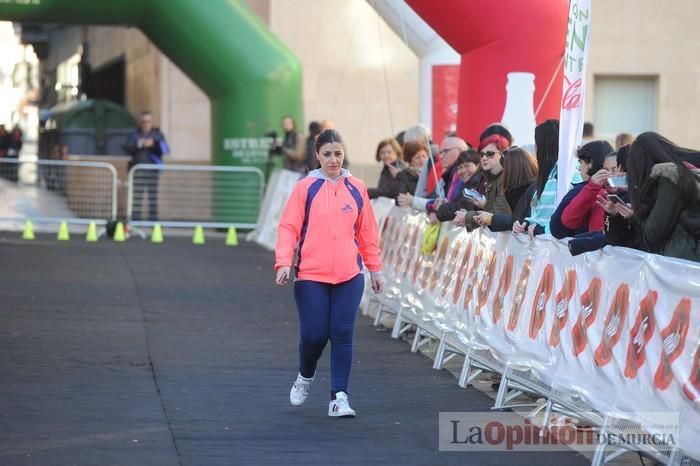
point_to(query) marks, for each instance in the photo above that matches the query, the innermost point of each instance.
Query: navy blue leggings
(328, 312)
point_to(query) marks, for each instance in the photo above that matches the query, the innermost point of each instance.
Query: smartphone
(619, 182)
(474, 194)
(615, 199)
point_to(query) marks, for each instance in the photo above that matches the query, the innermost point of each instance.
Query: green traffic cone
(91, 236)
(119, 235)
(232, 237)
(198, 237)
(157, 234)
(28, 232)
(63, 234)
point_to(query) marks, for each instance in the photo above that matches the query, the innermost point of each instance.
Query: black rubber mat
(142, 354)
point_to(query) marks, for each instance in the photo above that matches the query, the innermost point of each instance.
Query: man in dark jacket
(293, 147)
(146, 145)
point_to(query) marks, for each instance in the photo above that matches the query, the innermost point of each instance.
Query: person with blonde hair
(623, 139)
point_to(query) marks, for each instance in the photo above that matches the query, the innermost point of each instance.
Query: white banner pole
(573, 92)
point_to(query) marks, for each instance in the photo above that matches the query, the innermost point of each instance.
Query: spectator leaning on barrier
(597, 163)
(665, 197)
(585, 210)
(544, 201)
(415, 154)
(146, 145)
(329, 221)
(422, 134)
(467, 168)
(389, 154)
(619, 230)
(448, 154)
(519, 175)
(491, 150)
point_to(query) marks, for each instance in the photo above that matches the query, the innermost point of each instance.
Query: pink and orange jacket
(331, 226)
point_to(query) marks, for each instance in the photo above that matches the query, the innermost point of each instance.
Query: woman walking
(328, 219)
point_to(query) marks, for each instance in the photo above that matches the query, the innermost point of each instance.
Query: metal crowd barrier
(194, 195)
(477, 296)
(52, 191)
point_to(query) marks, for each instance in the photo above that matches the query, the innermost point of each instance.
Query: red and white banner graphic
(618, 328)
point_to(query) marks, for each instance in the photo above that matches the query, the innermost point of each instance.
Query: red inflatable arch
(503, 43)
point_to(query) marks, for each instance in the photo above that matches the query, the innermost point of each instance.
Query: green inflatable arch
(251, 78)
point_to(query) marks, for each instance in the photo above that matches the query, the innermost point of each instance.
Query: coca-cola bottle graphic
(519, 113)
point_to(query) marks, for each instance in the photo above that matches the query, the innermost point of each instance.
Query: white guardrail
(52, 191)
(194, 195)
(611, 331)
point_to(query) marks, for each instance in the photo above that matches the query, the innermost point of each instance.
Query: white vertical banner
(573, 92)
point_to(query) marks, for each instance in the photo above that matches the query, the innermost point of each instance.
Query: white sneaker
(340, 406)
(300, 390)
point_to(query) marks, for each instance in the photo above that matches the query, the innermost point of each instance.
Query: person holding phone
(519, 175)
(329, 222)
(664, 190)
(597, 163)
(491, 150)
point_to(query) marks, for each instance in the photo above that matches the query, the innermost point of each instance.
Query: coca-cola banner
(573, 91)
(510, 56)
(617, 330)
(445, 94)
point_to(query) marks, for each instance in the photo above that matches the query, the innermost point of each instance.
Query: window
(624, 104)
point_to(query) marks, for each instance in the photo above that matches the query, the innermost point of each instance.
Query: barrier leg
(547, 416)
(396, 331)
(467, 375)
(378, 316)
(440, 355)
(416, 340)
(502, 391)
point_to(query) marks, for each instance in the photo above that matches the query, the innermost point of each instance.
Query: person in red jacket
(597, 163)
(329, 222)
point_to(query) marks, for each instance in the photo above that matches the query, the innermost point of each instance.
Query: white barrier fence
(615, 330)
(279, 189)
(53, 191)
(190, 195)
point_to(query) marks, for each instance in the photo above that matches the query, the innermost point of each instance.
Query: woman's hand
(483, 218)
(625, 210)
(600, 176)
(459, 218)
(531, 230)
(519, 227)
(393, 170)
(377, 283)
(283, 275)
(432, 218)
(608, 206)
(405, 200)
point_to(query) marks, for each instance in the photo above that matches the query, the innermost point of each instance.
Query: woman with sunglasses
(491, 150)
(519, 174)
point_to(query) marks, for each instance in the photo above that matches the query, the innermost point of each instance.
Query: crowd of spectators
(642, 193)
